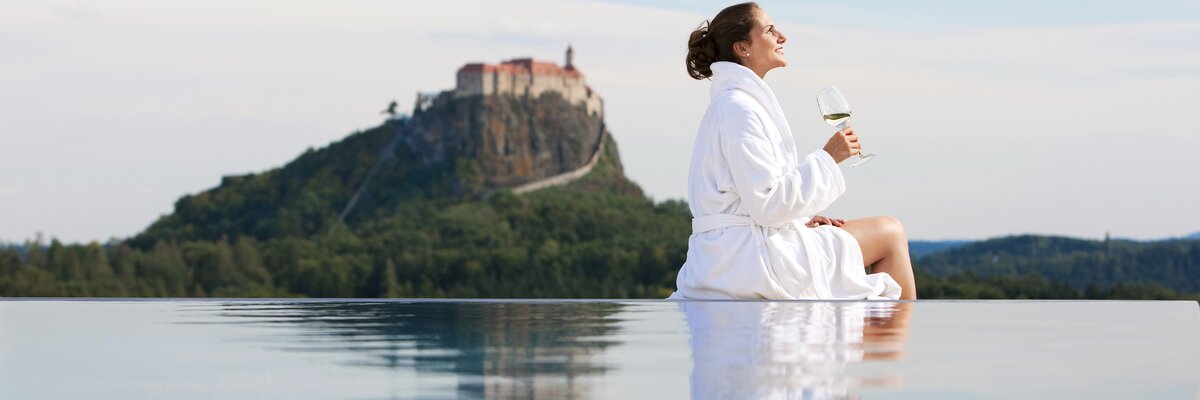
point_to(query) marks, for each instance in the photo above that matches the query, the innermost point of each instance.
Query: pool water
(430, 349)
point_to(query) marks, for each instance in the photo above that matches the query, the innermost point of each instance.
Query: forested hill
(1075, 263)
(454, 149)
(434, 218)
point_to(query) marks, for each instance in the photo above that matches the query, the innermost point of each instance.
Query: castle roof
(523, 66)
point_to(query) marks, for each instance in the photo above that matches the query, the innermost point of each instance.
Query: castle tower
(570, 58)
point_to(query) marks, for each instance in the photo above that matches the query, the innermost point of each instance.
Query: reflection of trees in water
(791, 349)
(528, 350)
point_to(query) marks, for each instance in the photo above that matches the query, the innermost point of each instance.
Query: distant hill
(1079, 263)
(922, 248)
(20, 249)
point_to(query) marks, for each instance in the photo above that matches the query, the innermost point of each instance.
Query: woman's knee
(892, 227)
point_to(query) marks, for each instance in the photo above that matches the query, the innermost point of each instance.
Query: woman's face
(764, 52)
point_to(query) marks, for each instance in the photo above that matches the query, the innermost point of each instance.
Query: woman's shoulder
(734, 103)
(737, 113)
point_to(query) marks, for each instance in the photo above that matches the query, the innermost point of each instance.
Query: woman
(756, 234)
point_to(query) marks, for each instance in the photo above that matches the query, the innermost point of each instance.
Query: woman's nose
(782, 38)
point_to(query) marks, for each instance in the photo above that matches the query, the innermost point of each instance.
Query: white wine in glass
(836, 111)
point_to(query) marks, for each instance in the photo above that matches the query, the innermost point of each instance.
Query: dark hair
(713, 41)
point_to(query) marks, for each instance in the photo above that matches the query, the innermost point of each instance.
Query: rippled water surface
(187, 349)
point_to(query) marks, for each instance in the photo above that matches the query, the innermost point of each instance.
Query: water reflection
(488, 349)
(743, 350)
(558, 349)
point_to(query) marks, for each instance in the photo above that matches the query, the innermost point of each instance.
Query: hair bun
(713, 41)
(702, 52)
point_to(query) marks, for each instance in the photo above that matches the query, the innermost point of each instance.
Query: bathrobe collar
(733, 76)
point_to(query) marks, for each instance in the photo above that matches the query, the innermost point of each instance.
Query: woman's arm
(769, 195)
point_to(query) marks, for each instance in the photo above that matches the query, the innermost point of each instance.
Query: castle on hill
(525, 77)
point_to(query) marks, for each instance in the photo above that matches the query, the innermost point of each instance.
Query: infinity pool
(408, 349)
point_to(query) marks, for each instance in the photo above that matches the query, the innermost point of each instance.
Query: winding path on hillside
(566, 177)
(387, 154)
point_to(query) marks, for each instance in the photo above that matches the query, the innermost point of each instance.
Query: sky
(1057, 117)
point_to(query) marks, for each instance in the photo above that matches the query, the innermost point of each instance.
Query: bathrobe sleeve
(772, 191)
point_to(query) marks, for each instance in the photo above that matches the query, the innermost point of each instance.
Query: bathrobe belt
(718, 221)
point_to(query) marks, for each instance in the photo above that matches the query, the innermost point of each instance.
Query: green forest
(551, 244)
(556, 243)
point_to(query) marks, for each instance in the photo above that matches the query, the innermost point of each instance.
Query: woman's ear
(741, 48)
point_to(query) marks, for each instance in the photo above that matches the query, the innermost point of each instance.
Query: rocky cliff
(510, 140)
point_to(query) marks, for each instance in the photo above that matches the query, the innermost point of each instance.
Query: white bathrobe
(751, 195)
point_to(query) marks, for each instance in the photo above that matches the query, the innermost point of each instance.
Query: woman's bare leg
(885, 249)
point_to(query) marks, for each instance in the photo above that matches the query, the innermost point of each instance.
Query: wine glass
(836, 111)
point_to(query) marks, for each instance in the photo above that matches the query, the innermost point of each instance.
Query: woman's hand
(843, 144)
(819, 220)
